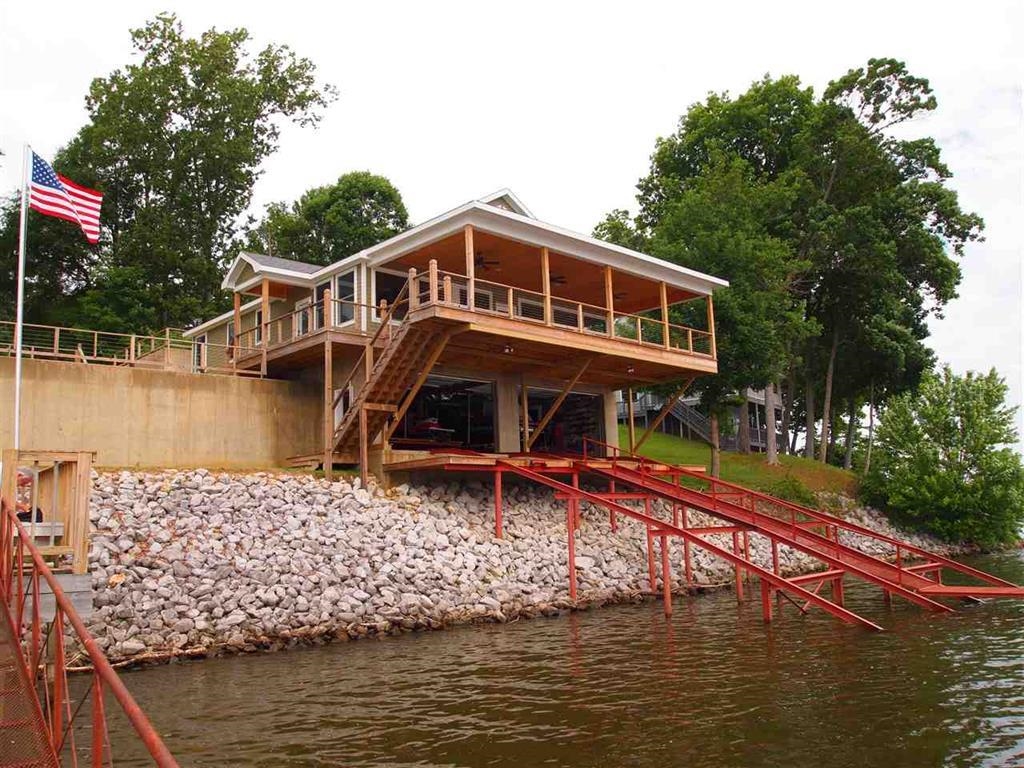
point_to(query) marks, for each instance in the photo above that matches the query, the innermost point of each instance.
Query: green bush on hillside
(943, 463)
(791, 489)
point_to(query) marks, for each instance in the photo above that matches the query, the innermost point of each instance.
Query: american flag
(54, 195)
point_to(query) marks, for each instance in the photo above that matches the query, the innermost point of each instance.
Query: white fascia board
(516, 202)
(300, 279)
(524, 229)
(247, 307)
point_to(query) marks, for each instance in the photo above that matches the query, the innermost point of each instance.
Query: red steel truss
(914, 573)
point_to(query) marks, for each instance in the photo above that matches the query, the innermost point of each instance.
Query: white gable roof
(503, 214)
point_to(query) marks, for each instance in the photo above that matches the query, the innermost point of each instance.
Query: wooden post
(524, 408)
(545, 280)
(664, 311)
(328, 408)
(328, 309)
(470, 269)
(238, 323)
(629, 415)
(711, 326)
(167, 348)
(414, 294)
(265, 306)
(447, 289)
(609, 300)
(131, 351)
(364, 447)
(432, 270)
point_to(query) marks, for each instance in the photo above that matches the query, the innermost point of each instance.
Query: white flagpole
(18, 322)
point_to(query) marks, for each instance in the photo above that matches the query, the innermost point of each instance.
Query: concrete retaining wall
(133, 417)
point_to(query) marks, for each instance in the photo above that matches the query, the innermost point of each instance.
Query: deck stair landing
(402, 365)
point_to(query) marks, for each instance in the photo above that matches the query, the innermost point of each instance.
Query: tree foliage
(944, 462)
(870, 231)
(329, 223)
(175, 142)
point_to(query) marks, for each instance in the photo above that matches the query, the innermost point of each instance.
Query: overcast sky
(562, 102)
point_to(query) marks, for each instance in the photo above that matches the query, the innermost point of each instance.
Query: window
(529, 309)
(318, 300)
(199, 353)
(388, 286)
(482, 297)
(345, 292)
(257, 334)
(231, 333)
(303, 317)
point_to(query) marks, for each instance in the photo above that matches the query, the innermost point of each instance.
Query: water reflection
(619, 686)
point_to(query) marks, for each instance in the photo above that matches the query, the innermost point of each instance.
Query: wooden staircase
(396, 376)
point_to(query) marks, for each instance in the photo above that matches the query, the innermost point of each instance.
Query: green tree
(944, 462)
(871, 225)
(718, 225)
(329, 223)
(175, 142)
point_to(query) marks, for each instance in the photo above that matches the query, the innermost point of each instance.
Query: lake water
(618, 686)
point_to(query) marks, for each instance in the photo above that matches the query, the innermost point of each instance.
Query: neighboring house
(685, 419)
(480, 329)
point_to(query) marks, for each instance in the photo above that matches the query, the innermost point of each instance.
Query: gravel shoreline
(194, 563)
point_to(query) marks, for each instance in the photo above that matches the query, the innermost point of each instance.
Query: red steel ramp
(798, 527)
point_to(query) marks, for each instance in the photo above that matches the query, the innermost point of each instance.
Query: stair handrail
(16, 594)
(385, 322)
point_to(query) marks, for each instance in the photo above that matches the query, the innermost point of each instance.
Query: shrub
(791, 489)
(943, 461)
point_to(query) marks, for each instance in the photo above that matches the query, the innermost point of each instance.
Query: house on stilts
(483, 329)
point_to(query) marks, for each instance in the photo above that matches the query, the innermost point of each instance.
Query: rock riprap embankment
(193, 561)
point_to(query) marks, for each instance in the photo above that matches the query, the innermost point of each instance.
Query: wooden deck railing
(501, 300)
(168, 351)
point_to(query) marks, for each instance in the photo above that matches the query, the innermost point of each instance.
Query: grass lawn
(751, 471)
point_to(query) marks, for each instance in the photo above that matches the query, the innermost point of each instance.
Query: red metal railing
(43, 660)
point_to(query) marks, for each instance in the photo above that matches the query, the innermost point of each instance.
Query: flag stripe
(55, 195)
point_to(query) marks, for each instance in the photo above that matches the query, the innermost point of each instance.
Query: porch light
(630, 369)
(509, 349)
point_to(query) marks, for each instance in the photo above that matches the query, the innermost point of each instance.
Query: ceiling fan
(557, 279)
(481, 262)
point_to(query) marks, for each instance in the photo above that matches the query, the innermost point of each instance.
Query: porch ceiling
(509, 262)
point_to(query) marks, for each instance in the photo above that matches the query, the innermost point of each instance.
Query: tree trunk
(716, 449)
(786, 396)
(771, 448)
(826, 410)
(830, 456)
(871, 429)
(809, 402)
(850, 427)
(743, 428)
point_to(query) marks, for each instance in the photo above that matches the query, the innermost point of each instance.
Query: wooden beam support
(545, 279)
(364, 447)
(524, 413)
(609, 300)
(664, 312)
(265, 307)
(629, 415)
(557, 404)
(711, 326)
(663, 413)
(380, 407)
(238, 322)
(418, 384)
(328, 409)
(470, 269)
